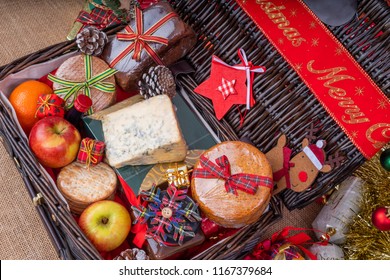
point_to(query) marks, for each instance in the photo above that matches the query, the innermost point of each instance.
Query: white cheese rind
(144, 133)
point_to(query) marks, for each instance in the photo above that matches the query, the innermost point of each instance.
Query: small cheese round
(73, 69)
(82, 185)
(227, 209)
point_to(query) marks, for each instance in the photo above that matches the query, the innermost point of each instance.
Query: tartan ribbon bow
(284, 171)
(70, 89)
(249, 69)
(141, 40)
(99, 18)
(240, 181)
(91, 151)
(44, 104)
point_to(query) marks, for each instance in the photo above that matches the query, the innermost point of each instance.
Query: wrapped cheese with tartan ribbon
(50, 105)
(84, 74)
(91, 151)
(232, 183)
(155, 36)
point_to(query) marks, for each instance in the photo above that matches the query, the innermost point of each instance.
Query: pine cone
(158, 80)
(132, 254)
(91, 40)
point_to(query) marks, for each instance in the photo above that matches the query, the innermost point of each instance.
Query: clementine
(24, 99)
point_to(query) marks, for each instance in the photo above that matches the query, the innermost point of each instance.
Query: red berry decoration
(381, 218)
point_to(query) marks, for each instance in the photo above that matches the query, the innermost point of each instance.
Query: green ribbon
(71, 88)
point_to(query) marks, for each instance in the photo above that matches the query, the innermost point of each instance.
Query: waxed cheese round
(225, 208)
(81, 185)
(73, 69)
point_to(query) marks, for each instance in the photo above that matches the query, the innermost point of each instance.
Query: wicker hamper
(229, 20)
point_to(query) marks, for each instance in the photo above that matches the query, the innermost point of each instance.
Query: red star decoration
(209, 88)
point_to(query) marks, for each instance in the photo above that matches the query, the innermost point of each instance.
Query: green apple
(106, 224)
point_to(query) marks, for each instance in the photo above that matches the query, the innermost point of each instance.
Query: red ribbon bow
(268, 248)
(240, 181)
(141, 39)
(138, 229)
(284, 172)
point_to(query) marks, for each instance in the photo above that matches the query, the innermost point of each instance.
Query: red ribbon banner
(339, 83)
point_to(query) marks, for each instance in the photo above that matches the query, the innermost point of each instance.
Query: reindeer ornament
(299, 172)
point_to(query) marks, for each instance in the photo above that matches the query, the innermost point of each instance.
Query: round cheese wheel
(224, 208)
(82, 185)
(73, 69)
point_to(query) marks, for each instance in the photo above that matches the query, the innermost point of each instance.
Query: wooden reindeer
(299, 172)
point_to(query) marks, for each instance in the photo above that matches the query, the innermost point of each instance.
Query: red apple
(54, 141)
(106, 224)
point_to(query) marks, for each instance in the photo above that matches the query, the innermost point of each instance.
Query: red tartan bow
(284, 171)
(240, 181)
(98, 17)
(142, 39)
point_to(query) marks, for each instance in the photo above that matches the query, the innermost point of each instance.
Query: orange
(24, 99)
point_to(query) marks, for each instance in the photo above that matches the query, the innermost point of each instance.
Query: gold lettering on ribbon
(353, 115)
(384, 128)
(274, 14)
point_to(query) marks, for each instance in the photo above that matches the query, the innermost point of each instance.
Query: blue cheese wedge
(144, 133)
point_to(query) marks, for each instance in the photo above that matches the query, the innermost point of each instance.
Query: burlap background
(27, 26)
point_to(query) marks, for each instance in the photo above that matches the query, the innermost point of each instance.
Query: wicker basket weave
(279, 80)
(283, 102)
